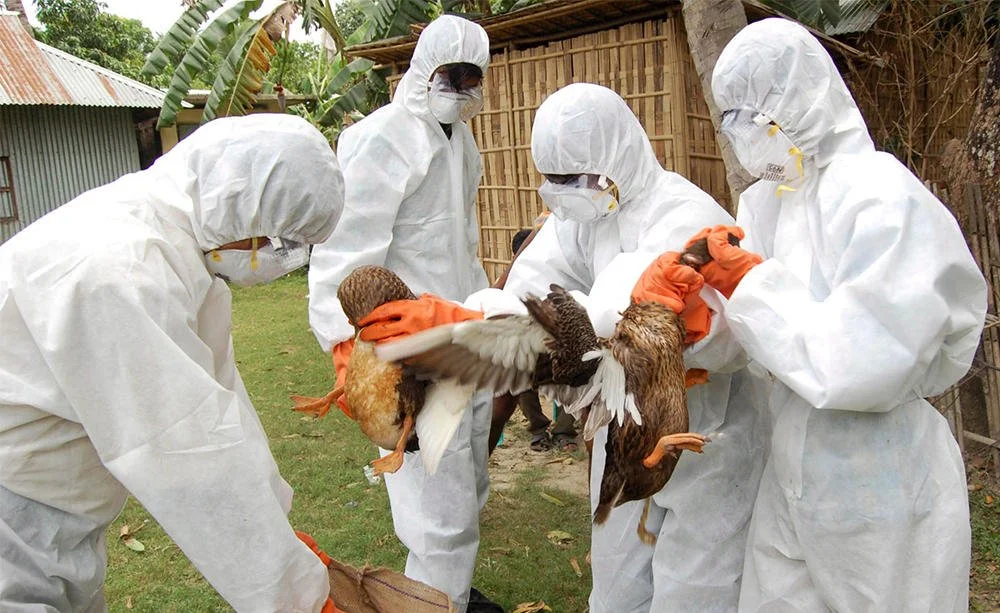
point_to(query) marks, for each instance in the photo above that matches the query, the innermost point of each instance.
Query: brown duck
(384, 398)
(641, 457)
(634, 381)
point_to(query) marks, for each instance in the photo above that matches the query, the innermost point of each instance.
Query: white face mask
(449, 106)
(762, 148)
(453, 107)
(249, 267)
(579, 200)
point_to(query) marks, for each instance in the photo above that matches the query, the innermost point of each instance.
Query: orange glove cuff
(329, 607)
(341, 356)
(400, 318)
(697, 319)
(667, 282)
(729, 263)
(311, 543)
(676, 286)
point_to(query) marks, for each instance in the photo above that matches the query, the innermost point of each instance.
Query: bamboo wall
(647, 63)
(972, 406)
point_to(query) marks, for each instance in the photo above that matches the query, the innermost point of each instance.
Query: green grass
(984, 589)
(322, 459)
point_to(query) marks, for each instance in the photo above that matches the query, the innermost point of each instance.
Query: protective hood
(776, 67)
(446, 40)
(263, 175)
(586, 128)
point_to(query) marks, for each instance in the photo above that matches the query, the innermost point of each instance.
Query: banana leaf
(175, 43)
(241, 74)
(199, 56)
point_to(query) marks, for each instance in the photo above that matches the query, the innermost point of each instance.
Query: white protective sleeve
(143, 383)
(905, 305)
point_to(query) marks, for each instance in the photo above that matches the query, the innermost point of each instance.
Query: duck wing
(607, 393)
(499, 354)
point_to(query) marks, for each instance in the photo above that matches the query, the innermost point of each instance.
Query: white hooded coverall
(411, 207)
(702, 514)
(117, 373)
(867, 302)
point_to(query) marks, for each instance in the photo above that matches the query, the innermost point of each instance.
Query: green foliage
(507, 6)
(200, 56)
(241, 74)
(292, 65)
(350, 15)
(393, 17)
(175, 43)
(345, 92)
(83, 28)
(825, 14)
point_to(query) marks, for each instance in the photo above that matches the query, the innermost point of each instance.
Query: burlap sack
(380, 590)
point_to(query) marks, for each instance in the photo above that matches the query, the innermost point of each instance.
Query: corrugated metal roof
(32, 72)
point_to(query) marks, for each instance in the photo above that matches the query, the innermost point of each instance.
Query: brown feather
(648, 342)
(379, 394)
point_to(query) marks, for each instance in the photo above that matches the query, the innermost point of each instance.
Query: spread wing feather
(498, 354)
(606, 394)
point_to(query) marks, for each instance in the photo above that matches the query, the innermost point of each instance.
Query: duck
(384, 398)
(641, 455)
(633, 381)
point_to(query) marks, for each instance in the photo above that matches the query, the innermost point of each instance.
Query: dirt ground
(561, 470)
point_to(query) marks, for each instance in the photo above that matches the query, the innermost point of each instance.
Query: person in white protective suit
(616, 210)
(412, 171)
(117, 374)
(866, 302)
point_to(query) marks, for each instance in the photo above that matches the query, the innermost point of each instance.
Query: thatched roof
(559, 19)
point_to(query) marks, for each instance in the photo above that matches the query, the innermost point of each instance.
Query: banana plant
(207, 28)
(345, 93)
(246, 45)
(827, 15)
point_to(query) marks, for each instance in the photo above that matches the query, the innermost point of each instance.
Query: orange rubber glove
(341, 356)
(729, 263)
(676, 286)
(400, 318)
(329, 607)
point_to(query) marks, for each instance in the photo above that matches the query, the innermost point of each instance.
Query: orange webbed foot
(392, 462)
(672, 444)
(317, 407)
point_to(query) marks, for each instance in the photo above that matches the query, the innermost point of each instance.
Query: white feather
(414, 344)
(605, 394)
(475, 351)
(444, 406)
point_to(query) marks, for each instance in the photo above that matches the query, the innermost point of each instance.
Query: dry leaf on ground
(532, 607)
(559, 537)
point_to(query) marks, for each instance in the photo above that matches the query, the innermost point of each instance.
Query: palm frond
(175, 43)
(241, 74)
(199, 55)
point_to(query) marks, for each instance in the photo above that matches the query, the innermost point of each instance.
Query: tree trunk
(17, 7)
(983, 141)
(710, 24)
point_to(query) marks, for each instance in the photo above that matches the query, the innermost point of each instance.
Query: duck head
(368, 287)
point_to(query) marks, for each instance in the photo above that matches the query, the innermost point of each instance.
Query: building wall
(59, 152)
